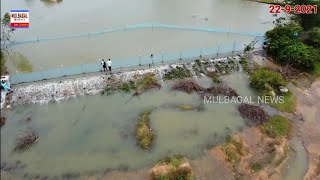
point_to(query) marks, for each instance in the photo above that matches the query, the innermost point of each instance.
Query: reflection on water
(95, 133)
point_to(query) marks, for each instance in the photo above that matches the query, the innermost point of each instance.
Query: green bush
(277, 127)
(261, 79)
(299, 56)
(283, 31)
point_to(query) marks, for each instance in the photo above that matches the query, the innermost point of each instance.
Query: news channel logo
(19, 19)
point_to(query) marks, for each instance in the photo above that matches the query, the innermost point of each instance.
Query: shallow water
(94, 133)
(298, 164)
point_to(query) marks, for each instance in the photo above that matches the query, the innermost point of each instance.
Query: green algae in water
(22, 63)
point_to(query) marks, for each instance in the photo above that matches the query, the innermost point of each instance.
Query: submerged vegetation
(2, 121)
(25, 139)
(143, 131)
(189, 107)
(254, 114)
(172, 168)
(277, 127)
(188, 86)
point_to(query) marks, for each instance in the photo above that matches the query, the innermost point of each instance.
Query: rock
(210, 69)
(272, 93)
(283, 89)
(202, 75)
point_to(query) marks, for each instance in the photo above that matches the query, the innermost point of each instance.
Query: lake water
(74, 17)
(95, 133)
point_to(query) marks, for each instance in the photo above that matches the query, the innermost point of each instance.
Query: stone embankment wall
(56, 90)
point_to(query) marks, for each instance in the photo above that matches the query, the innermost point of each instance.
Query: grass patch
(170, 168)
(245, 65)
(288, 105)
(178, 73)
(148, 82)
(175, 160)
(234, 149)
(295, 83)
(185, 107)
(215, 79)
(142, 131)
(127, 87)
(277, 127)
(255, 167)
(316, 70)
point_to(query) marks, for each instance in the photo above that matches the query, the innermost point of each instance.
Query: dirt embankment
(307, 122)
(253, 155)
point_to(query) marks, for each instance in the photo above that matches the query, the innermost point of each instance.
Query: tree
(288, 30)
(262, 79)
(299, 56)
(6, 32)
(308, 21)
(276, 46)
(313, 37)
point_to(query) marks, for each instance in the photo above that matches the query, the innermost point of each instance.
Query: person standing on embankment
(109, 63)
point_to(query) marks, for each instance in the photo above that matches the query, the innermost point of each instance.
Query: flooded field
(95, 133)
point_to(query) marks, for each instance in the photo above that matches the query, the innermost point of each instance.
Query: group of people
(106, 65)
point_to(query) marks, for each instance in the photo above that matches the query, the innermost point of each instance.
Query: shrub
(277, 126)
(178, 73)
(260, 79)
